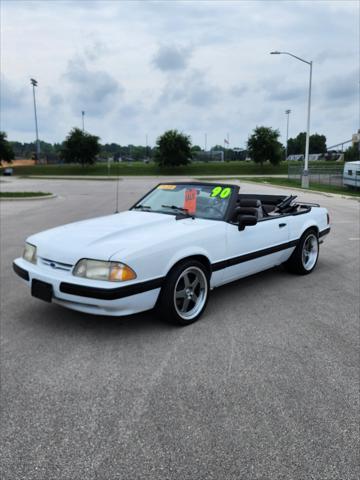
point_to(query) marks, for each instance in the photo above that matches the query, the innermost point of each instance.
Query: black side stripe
(324, 232)
(260, 253)
(21, 271)
(141, 287)
(251, 256)
(110, 293)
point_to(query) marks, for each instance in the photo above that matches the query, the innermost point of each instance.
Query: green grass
(139, 168)
(285, 182)
(23, 194)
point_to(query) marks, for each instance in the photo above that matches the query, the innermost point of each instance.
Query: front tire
(185, 293)
(305, 256)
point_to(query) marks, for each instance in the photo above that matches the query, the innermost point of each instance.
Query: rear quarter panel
(316, 217)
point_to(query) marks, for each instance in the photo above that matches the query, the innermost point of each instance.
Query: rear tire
(305, 256)
(185, 293)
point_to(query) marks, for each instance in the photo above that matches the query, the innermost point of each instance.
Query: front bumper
(92, 296)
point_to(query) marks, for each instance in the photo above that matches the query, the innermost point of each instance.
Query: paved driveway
(265, 386)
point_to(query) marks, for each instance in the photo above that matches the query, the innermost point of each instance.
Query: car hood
(103, 237)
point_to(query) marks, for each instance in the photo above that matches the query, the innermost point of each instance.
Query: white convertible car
(170, 249)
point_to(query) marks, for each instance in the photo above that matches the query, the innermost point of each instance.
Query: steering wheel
(216, 209)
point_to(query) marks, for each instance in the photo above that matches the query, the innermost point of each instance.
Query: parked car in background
(7, 172)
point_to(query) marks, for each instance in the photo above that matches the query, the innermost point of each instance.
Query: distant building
(313, 157)
(297, 158)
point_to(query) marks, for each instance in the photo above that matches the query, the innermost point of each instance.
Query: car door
(256, 248)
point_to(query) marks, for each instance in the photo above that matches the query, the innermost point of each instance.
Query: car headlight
(98, 270)
(29, 253)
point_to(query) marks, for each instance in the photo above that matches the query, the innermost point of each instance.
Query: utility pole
(287, 112)
(34, 84)
(305, 175)
(83, 120)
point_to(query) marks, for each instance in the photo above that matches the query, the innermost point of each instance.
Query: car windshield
(201, 201)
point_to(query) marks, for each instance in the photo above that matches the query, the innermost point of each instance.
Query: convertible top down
(170, 249)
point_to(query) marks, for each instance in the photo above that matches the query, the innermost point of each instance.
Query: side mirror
(246, 221)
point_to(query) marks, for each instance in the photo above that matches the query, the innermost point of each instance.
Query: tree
(352, 153)
(195, 149)
(173, 148)
(264, 145)
(80, 147)
(317, 144)
(6, 151)
(296, 145)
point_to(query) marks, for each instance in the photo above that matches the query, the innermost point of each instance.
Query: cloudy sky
(140, 67)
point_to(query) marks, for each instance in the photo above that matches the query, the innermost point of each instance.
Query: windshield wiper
(174, 207)
(145, 207)
(182, 212)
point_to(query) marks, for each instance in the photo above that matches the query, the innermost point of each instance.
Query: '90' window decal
(220, 192)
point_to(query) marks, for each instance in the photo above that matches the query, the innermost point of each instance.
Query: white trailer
(351, 176)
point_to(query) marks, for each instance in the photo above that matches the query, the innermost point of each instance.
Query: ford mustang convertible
(170, 249)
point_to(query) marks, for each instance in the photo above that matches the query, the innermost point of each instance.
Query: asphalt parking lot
(264, 386)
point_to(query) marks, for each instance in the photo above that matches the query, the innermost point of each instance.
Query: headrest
(250, 202)
(246, 210)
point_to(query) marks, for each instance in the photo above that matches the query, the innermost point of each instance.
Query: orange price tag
(190, 200)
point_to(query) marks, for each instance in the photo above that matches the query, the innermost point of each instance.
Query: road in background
(264, 386)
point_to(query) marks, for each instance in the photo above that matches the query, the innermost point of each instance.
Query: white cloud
(93, 90)
(139, 68)
(172, 57)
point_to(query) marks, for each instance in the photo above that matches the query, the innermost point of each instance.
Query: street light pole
(287, 112)
(83, 120)
(305, 175)
(34, 84)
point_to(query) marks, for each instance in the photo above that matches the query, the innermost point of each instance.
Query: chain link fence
(332, 175)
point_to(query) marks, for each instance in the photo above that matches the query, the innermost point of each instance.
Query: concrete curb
(21, 199)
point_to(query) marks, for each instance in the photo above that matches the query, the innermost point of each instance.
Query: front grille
(57, 265)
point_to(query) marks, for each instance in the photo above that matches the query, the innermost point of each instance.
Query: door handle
(281, 225)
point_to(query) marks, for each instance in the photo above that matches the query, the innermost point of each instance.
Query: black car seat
(249, 206)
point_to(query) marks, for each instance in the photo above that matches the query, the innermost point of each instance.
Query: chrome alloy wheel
(310, 251)
(190, 293)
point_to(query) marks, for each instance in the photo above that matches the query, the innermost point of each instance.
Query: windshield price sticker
(220, 192)
(190, 200)
(166, 187)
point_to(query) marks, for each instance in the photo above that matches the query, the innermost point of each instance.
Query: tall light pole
(305, 175)
(287, 112)
(83, 120)
(34, 84)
